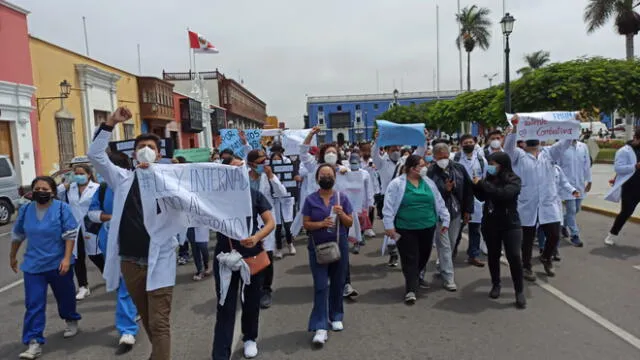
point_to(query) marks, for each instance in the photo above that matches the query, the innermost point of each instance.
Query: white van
(595, 127)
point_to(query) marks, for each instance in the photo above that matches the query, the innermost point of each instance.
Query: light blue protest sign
(231, 140)
(390, 133)
(253, 138)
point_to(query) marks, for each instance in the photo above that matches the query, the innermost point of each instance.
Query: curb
(609, 213)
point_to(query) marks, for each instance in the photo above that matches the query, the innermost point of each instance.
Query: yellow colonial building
(74, 95)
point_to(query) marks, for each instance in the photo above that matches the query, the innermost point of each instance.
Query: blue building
(351, 118)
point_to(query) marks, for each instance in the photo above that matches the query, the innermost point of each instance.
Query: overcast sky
(285, 49)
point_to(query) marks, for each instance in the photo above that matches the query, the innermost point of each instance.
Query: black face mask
(326, 183)
(468, 149)
(532, 143)
(42, 197)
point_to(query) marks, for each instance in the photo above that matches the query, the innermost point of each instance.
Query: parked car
(9, 195)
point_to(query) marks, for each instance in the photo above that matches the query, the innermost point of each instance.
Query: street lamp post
(65, 90)
(507, 28)
(490, 78)
(396, 93)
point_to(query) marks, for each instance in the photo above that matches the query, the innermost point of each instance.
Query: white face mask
(146, 155)
(331, 158)
(423, 171)
(443, 163)
(495, 144)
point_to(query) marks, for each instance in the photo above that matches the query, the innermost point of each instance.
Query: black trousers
(551, 232)
(372, 213)
(379, 198)
(287, 233)
(267, 278)
(629, 200)
(226, 314)
(414, 247)
(512, 242)
(80, 265)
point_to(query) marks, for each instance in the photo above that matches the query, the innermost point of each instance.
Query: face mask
(326, 183)
(423, 171)
(80, 179)
(394, 156)
(146, 155)
(331, 158)
(443, 163)
(259, 169)
(42, 197)
(495, 144)
(532, 143)
(492, 169)
(355, 167)
(217, 161)
(468, 149)
(428, 158)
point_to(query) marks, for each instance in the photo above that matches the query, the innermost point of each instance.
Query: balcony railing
(383, 97)
(189, 75)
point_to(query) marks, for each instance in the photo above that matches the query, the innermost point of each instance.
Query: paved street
(602, 173)
(442, 325)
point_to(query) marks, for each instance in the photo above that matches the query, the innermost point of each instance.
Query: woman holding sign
(411, 212)
(327, 216)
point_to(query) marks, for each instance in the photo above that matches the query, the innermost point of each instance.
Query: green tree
(535, 61)
(627, 21)
(474, 31)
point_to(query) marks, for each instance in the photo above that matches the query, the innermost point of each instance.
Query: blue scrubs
(126, 311)
(45, 250)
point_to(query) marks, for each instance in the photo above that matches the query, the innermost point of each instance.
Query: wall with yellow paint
(52, 64)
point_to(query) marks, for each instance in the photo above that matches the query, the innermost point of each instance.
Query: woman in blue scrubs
(50, 230)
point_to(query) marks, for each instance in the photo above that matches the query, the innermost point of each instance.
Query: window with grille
(65, 140)
(128, 131)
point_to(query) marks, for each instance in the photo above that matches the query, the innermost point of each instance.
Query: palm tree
(535, 61)
(474, 30)
(627, 21)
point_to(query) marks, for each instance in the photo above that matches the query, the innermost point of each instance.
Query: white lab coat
(576, 165)
(386, 168)
(373, 174)
(201, 234)
(474, 169)
(80, 208)
(537, 200)
(393, 200)
(564, 186)
(269, 242)
(625, 166)
(283, 205)
(161, 270)
(367, 199)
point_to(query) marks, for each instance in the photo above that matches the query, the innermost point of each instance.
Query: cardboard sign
(231, 140)
(253, 138)
(286, 173)
(127, 147)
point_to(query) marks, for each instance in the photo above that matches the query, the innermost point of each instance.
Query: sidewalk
(595, 201)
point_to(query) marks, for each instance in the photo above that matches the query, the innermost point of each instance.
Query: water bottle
(333, 217)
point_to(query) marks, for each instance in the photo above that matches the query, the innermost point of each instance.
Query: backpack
(458, 155)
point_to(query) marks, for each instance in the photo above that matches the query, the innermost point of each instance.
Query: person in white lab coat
(263, 180)
(538, 198)
(367, 199)
(576, 165)
(148, 266)
(283, 208)
(626, 187)
(79, 194)
(368, 165)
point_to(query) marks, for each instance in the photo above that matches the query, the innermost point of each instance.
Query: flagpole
(86, 38)
(190, 61)
(437, 71)
(139, 62)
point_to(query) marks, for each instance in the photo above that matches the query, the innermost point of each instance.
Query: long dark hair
(411, 162)
(501, 158)
(49, 180)
(86, 169)
(325, 166)
(323, 150)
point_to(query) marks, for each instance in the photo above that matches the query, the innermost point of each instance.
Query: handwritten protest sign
(210, 195)
(292, 139)
(390, 133)
(127, 147)
(194, 155)
(286, 173)
(253, 137)
(351, 183)
(548, 125)
(231, 140)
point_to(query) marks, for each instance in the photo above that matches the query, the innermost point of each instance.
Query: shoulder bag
(329, 252)
(256, 263)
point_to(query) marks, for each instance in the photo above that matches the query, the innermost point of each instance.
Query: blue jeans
(200, 252)
(126, 312)
(35, 301)
(572, 209)
(475, 236)
(328, 284)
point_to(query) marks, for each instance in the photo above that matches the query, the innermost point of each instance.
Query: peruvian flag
(201, 45)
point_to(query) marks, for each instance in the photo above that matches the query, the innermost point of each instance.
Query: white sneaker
(370, 233)
(450, 286)
(292, 249)
(337, 326)
(611, 239)
(250, 349)
(278, 254)
(127, 339)
(33, 351)
(83, 292)
(71, 330)
(320, 337)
